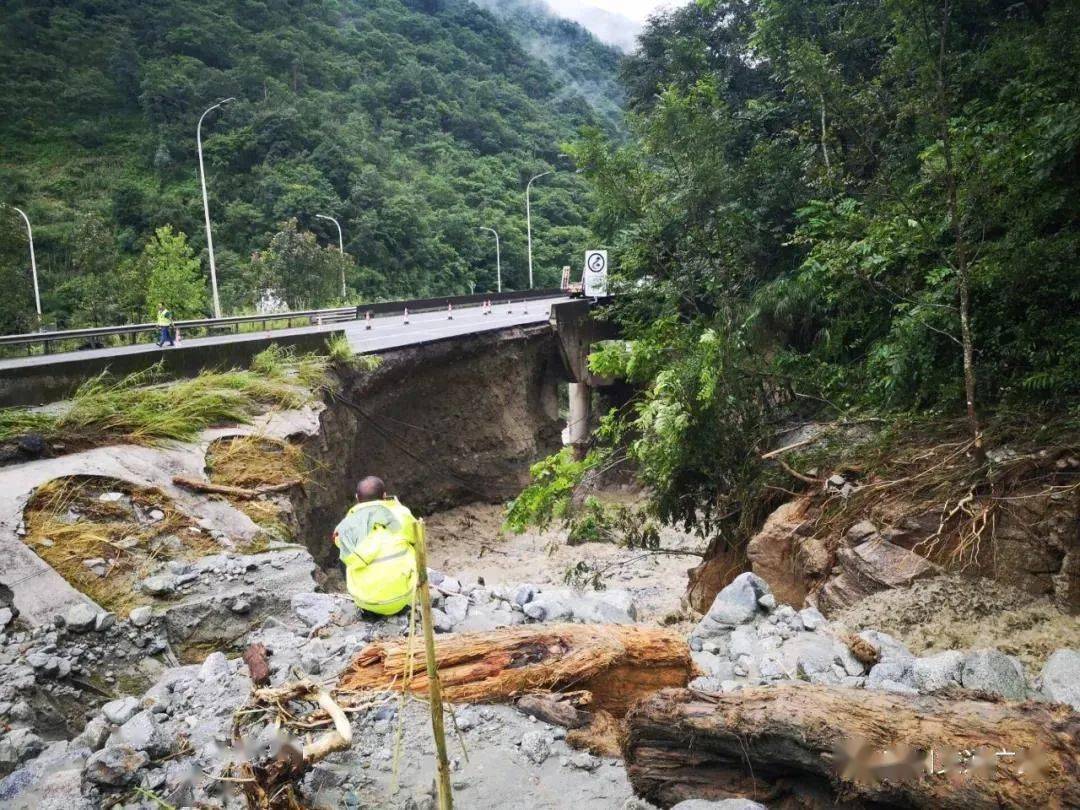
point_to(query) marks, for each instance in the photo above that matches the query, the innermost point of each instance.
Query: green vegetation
(144, 408)
(411, 122)
(833, 210)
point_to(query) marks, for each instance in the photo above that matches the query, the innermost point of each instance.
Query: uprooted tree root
(939, 475)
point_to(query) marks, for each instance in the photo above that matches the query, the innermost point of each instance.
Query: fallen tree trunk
(816, 746)
(618, 664)
(243, 493)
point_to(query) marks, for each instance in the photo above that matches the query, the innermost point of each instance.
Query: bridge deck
(387, 332)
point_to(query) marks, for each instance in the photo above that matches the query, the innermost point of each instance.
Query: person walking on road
(375, 543)
(165, 326)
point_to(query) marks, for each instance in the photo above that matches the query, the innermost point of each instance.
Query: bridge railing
(108, 336)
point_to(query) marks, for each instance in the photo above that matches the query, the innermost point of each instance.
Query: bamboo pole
(446, 801)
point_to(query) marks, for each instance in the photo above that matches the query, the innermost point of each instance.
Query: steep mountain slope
(413, 122)
(579, 60)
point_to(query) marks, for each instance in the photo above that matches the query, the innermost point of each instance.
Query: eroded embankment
(443, 424)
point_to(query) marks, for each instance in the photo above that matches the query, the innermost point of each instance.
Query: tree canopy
(867, 206)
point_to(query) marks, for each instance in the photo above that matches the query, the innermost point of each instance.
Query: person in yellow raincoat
(375, 543)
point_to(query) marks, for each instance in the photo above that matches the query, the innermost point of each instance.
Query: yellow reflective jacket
(164, 317)
(375, 542)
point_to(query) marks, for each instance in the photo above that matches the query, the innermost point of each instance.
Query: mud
(954, 612)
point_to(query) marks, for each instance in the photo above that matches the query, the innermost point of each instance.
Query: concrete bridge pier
(578, 424)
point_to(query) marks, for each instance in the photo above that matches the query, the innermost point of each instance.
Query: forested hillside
(841, 210)
(579, 60)
(412, 122)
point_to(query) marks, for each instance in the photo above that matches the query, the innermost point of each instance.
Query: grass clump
(145, 408)
(68, 524)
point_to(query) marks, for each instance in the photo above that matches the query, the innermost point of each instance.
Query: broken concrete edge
(40, 594)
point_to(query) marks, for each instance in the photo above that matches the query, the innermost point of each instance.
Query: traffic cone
(406, 322)
(367, 320)
(525, 305)
(449, 311)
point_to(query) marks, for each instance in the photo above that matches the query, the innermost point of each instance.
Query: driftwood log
(617, 664)
(803, 746)
(243, 493)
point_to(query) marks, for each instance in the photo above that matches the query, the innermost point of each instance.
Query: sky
(637, 10)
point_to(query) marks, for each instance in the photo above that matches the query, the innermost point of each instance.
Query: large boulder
(1061, 678)
(993, 671)
(734, 605)
(869, 567)
(774, 549)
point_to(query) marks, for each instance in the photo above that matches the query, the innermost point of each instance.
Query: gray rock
(94, 734)
(214, 668)
(743, 641)
(738, 602)
(115, 765)
(159, 585)
(937, 671)
(524, 594)
(321, 609)
(608, 607)
(141, 616)
(723, 804)
(534, 746)
(19, 745)
(549, 606)
(96, 566)
(889, 649)
(80, 617)
(860, 532)
(104, 621)
(767, 602)
(466, 718)
(634, 803)
(890, 672)
(450, 585)
(993, 671)
(110, 497)
(121, 710)
(1061, 678)
(7, 616)
(584, 761)
(155, 515)
(143, 733)
(456, 608)
(441, 622)
(811, 618)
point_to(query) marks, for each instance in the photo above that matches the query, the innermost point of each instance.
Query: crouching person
(375, 543)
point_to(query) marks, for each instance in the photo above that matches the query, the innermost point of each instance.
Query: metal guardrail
(92, 337)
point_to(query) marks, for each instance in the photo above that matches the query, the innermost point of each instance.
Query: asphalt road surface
(387, 332)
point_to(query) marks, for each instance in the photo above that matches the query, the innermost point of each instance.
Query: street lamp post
(33, 263)
(528, 221)
(341, 247)
(206, 208)
(498, 259)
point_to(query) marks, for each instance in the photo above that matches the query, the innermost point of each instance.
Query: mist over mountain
(583, 64)
(614, 29)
